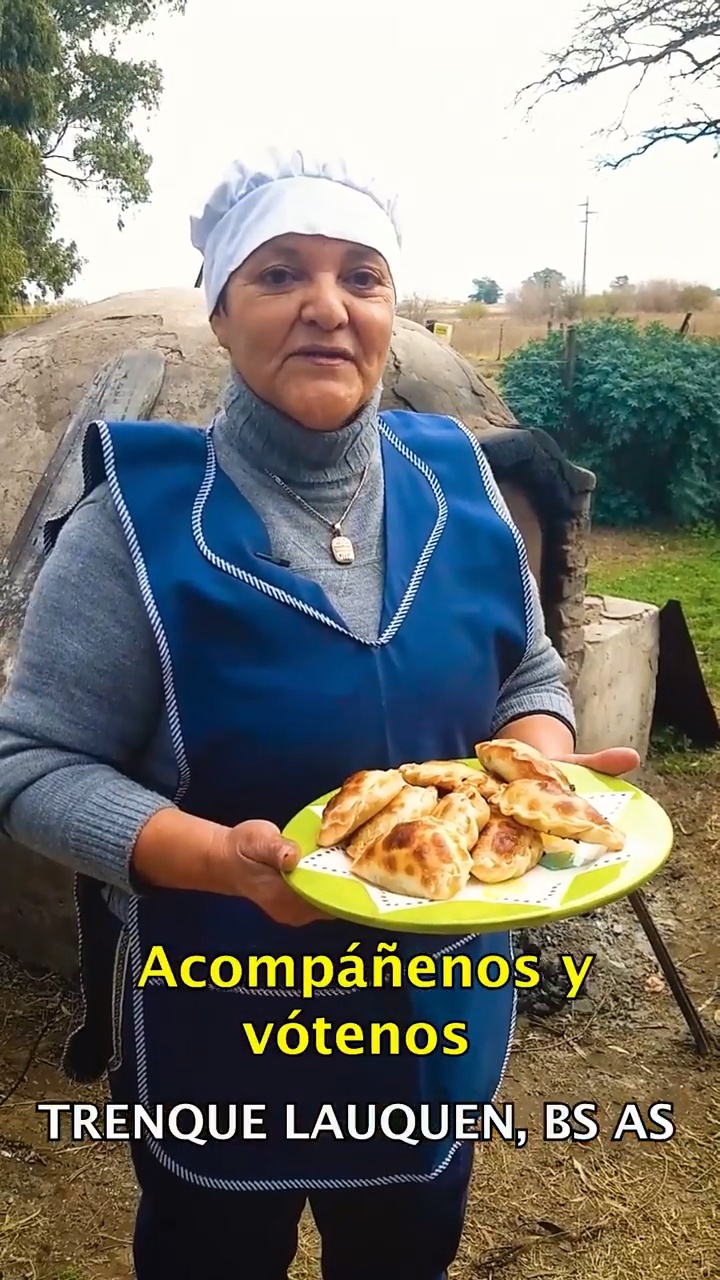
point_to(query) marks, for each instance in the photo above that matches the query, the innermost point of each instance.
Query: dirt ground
(623, 1210)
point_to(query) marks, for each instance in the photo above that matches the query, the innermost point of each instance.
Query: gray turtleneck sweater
(84, 706)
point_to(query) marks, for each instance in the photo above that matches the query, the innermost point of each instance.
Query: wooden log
(37, 923)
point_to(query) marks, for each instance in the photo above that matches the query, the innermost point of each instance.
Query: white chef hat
(280, 192)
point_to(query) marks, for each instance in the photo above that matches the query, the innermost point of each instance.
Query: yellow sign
(443, 332)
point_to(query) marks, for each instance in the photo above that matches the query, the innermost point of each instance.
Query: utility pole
(589, 213)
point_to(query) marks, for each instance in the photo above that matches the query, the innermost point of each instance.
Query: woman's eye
(364, 278)
(277, 276)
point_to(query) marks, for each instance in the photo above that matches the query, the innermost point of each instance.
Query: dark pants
(409, 1232)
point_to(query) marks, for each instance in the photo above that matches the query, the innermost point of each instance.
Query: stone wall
(565, 577)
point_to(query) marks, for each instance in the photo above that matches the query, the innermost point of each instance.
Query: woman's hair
(220, 307)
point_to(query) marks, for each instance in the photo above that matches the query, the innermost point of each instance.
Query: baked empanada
(457, 813)
(547, 809)
(422, 859)
(361, 796)
(443, 774)
(411, 802)
(488, 786)
(480, 806)
(512, 760)
(505, 851)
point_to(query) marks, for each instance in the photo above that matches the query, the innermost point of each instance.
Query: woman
(229, 623)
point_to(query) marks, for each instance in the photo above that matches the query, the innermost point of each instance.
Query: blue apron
(272, 701)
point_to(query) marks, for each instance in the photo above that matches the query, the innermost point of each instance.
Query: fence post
(571, 345)
(571, 349)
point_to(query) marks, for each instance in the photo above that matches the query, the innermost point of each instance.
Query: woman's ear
(218, 324)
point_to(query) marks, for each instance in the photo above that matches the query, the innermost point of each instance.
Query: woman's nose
(324, 304)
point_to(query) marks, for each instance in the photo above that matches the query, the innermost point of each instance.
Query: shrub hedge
(640, 408)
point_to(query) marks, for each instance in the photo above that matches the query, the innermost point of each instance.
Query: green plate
(560, 886)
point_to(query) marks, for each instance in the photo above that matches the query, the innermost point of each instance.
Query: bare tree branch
(680, 38)
(691, 131)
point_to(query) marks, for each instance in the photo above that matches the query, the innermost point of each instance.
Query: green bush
(472, 311)
(642, 413)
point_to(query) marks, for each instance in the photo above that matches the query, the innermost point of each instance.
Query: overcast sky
(427, 92)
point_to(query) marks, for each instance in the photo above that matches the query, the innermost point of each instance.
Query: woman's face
(307, 323)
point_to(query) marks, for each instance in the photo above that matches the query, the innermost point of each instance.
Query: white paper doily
(543, 886)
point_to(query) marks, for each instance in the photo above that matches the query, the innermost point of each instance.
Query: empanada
(361, 796)
(488, 786)
(512, 760)
(547, 809)
(411, 802)
(480, 806)
(422, 859)
(457, 813)
(505, 851)
(444, 774)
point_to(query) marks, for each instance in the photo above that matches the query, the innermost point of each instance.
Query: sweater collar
(268, 440)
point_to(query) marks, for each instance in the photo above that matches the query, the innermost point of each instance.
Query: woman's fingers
(264, 842)
(613, 760)
(260, 854)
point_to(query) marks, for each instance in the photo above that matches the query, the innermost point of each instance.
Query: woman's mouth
(323, 355)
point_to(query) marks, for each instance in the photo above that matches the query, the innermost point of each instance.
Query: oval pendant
(342, 549)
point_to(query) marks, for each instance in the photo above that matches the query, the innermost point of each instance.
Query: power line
(589, 213)
(38, 191)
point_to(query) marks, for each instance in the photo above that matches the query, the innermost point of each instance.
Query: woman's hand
(614, 761)
(553, 739)
(177, 850)
(251, 860)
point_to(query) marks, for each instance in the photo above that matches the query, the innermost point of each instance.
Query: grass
(658, 566)
(22, 317)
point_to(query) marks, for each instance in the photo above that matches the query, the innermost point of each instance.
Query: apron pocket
(299, 1071)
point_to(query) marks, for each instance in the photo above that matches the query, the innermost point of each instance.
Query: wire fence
(493, 339)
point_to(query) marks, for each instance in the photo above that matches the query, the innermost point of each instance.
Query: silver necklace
(342, 549)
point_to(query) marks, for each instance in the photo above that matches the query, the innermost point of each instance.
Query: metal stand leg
(703, 1042)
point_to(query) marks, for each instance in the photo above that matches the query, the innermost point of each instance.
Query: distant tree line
(549, 293)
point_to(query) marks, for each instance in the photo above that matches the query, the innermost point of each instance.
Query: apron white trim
(284, 597)
(120, 972)
(499, 506)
